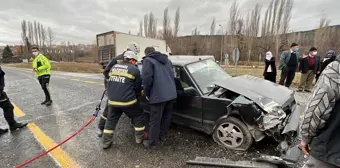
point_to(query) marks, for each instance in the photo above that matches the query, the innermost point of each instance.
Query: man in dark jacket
(132, 46)
(325, 61)
(288, 64)
(321, 121)
(160, 90)
(7, 107)
(123, 87)
(309, 66)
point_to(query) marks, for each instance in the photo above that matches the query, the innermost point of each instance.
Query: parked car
(234, 110)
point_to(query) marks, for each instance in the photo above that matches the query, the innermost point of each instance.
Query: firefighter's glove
(141, 93)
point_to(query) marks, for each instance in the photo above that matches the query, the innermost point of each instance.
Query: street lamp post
(222, 44)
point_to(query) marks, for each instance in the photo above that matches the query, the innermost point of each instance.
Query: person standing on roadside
(288, 64)
(160, 90)
(270, 67)
(325, 61)
(42, 69)
(132, 46)
(309, 66)
(321, 121)
(7, 107)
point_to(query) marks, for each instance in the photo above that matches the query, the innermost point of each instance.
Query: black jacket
(3, 95)
(113, 62)
(326, 145)
(158, 78)
(2, 79)
(124, 84)
(304, 64)
(272, 65)
(326, 60)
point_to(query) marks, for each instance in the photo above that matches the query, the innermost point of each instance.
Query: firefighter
(132, 46)
(123, 87)
(7, 107)
(42, 69)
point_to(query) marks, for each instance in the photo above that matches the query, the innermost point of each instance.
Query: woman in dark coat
(270, 67)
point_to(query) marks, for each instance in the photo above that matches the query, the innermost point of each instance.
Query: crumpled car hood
(262, 92)
(271, 97)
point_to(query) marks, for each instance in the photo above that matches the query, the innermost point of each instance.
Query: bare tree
(24, 36)
(30, 32)
(322, 34)
(177, 19)
(39, 33)
(36, 33)
(287, 16)
(146, 23)
(152, 28)
(212, 27)
(23, 30)
(269, 18)
(166, 24)
(195, 32)
(141, 28)
(274, 12)
(43, 35)
(252, 28)
(50, 36)
(234, 16)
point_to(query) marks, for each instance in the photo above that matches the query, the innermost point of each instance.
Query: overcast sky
(79, 21)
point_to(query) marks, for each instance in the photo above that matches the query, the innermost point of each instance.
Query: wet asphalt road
(75, 97)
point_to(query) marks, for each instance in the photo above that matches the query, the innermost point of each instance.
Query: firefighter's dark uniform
(106, 72)
(7, 107)
(123, 87)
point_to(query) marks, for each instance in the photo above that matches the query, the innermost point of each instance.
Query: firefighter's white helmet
(130, 55)
(133, 46)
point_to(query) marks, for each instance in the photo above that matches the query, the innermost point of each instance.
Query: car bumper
(294, 120)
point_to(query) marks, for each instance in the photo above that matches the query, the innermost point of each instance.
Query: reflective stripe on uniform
(116, 103)
(108, 131)
(103, 117)
(139, 128)
(117, 73)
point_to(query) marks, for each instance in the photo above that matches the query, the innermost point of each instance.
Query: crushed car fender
(271, 116)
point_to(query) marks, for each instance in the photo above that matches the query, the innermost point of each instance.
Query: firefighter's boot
(17, 125)
(139, 135)
(3, 131)
(99, 133)
(107, 140)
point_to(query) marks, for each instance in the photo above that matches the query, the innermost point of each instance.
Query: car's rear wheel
(233, 134)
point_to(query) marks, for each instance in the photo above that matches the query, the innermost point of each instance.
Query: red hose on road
(45, 153)
(73, 135)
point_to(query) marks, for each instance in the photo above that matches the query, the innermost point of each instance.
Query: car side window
(183, 78)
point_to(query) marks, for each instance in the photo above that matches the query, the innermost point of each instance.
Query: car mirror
(191, 91)
(210, 87)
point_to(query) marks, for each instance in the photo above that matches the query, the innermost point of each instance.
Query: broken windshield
(205, 73)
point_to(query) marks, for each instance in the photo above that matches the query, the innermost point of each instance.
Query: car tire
(232, 133)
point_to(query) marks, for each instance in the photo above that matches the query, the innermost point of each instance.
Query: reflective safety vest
(124, 84)
(42, 65)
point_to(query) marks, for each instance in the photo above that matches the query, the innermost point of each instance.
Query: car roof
(182, 60)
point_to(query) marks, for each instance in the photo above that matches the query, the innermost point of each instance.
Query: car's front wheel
(233, 134)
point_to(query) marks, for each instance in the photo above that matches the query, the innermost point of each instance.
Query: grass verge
(95, 68)
(258, 72)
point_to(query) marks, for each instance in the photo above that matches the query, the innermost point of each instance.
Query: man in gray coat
(288, 64)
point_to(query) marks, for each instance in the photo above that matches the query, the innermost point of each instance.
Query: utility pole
(222, 44)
